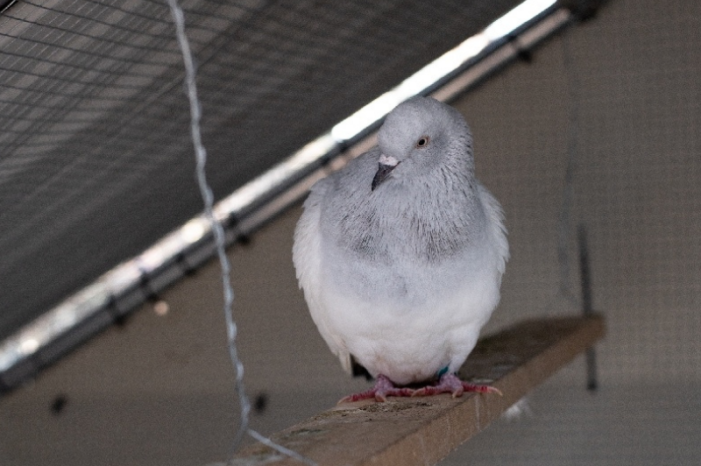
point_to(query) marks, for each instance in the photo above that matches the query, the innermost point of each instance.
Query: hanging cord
(219, 238)
(208, 198)
(565, 226)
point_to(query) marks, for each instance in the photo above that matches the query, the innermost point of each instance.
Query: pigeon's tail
(358, 370)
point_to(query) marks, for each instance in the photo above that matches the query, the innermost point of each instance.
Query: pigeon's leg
(450, 383)
(382, 389)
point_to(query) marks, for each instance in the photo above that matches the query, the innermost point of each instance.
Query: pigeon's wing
(307, 258)
(495, 226)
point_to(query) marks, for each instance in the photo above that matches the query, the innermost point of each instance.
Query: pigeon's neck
(429, 223)
(438, 191)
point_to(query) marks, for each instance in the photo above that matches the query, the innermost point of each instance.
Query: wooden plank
(423, 430)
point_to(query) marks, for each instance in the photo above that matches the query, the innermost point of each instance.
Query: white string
(285, 451)
(208, 198)
(219, 238)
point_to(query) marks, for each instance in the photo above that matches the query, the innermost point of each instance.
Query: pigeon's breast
(360, 233)
(407, 265)
(369, 234)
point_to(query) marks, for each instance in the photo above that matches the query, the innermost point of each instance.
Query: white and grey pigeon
(400, 254)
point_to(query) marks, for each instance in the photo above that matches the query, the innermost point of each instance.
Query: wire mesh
(93, 148)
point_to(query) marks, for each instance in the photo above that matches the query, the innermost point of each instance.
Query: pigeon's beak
(386, 165)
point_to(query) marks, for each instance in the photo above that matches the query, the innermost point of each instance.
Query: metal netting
(94, 156)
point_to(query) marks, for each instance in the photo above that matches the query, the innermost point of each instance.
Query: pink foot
(450, 383)
(382, 389)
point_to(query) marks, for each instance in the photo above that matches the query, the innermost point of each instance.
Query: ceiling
(96, 162)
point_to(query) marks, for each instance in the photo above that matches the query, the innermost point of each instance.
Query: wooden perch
(423, 430)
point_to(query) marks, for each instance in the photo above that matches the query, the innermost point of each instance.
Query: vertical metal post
(587, 309)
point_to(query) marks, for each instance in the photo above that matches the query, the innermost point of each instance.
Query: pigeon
(400, 255)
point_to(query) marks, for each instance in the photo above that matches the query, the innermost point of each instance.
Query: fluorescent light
(366, 116)
(437, 69)
(515, 18)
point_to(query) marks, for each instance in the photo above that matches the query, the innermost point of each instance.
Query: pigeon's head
(422, 135)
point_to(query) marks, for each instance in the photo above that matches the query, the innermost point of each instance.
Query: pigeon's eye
(422, 142)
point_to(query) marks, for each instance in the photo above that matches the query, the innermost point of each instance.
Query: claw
(468, 387)
(450, 383)
(382, 389)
